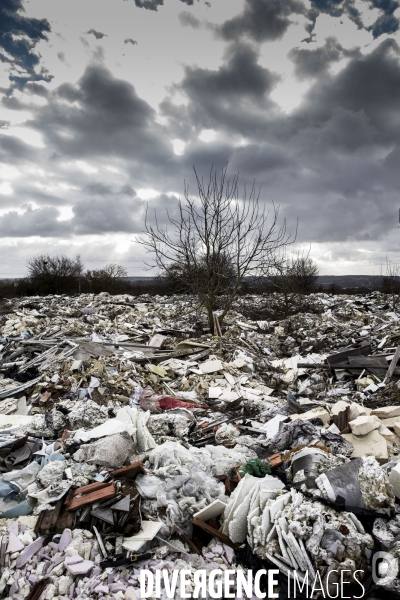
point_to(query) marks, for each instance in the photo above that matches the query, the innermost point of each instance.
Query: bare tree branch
(217, 240)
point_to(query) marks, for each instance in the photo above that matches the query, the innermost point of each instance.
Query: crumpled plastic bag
(156, 403)
(181, 482)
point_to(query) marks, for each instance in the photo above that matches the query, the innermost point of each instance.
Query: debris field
(132, 438)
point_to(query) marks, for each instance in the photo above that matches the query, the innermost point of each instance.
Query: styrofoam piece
(271, 428)
(272, 534)
(215, 509)
(240, 493)
(211, 366)
(214, 392)
(148, 532)
(278, 505)
(266, 525)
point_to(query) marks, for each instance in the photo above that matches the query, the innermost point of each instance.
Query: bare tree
(390, 283)
(293, 277)
(303, 271)
(217, 229)
(107, 279)
(55, 274)
(179, 277)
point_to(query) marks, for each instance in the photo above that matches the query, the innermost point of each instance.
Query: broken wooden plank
(85, 489)
(392, 365)
(275, 459)
(341, 357)
(221, 536)
(184, 538)
(130, 471)
(83, 496)
(38, 589)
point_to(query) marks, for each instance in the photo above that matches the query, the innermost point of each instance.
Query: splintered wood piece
(221, 536)
(130, 471)
(85, 489)
(392, 365)
(38, 589)
(184, 538)
(105, 492)
(275, 459)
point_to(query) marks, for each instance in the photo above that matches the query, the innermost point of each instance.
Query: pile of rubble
(131, 438)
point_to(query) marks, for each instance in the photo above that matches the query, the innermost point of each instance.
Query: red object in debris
(167, 403)
(155, 403)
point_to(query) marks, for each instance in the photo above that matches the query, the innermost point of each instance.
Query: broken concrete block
(358, 411)
(387, 412)
(387, 434)
(339, 406)
(372, 444)
(390, 423)
(396, 428)
(363, 425)
(314, 413)
(239, 363)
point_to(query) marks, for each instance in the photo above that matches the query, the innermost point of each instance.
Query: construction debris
(133, 439)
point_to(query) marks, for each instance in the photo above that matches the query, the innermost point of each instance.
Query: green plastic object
(255, 467)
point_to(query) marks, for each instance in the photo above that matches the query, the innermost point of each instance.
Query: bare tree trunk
(217, 240)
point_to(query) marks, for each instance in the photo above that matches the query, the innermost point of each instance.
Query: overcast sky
(107, 105)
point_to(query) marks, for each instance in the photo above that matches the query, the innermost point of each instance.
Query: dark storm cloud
(37, 89)
(325, 161)
(188, 20)
(314, 63)
(268, 20)
(234, 97)
(34, 222)
(116, 212)
(14, 150)
(100, 215)
(368, 87)
(19, 36)
(154, 4)
(386, 22)
(101, 116)
(262, 21)
(97, 34)
(149, 4)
